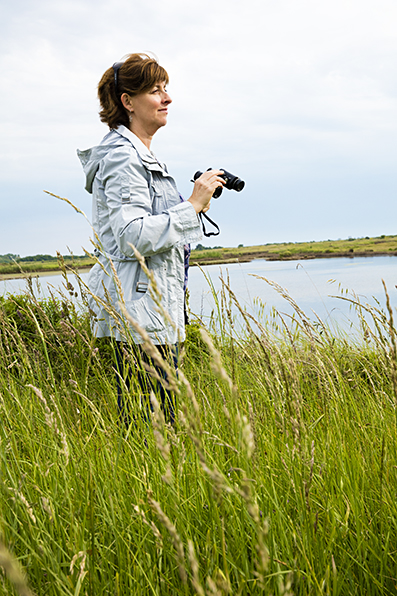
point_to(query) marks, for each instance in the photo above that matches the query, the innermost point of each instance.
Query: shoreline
(226, 260)
(39, 273)
(293, 257)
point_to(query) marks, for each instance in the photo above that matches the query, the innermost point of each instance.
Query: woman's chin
(161, 123)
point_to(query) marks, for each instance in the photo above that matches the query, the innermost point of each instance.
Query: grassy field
(279, 476)
(382, 245)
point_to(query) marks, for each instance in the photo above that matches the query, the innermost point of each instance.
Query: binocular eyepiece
(232, 182)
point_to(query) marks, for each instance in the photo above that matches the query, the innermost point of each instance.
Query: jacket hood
(90, 158)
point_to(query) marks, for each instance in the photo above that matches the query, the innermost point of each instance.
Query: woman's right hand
(204, 188)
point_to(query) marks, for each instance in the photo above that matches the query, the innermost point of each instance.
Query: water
(316, 285)
(313, 284)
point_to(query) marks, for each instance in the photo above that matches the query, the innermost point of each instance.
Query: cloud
(297, 97)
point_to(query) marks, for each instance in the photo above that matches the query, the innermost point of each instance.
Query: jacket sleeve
(130, 209)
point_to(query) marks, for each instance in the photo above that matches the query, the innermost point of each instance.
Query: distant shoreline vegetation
(13, 264)
(11, 258)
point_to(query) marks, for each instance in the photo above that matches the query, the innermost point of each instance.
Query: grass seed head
(177, 542)
(13, 572)
(195, 569)
(23, 500)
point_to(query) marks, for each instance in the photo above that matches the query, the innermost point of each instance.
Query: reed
(278, 477)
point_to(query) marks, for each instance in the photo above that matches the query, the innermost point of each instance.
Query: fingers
(204, 188)
(213, 176)
(212, 173)
(210, 180)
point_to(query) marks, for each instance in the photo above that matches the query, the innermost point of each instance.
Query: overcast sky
(297, 97)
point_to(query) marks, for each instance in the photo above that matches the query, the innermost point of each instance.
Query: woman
(136, 202)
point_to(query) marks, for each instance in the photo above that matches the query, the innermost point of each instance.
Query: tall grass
(279, 476)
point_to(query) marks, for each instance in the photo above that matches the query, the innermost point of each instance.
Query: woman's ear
(126, 100)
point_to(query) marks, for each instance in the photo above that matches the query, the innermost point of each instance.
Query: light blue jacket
(135, 201)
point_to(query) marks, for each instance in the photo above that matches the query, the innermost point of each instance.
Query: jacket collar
(145, 154)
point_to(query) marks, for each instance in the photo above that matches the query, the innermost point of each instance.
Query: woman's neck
(142, 136)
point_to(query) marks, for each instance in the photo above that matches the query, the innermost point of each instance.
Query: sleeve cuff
(189, 222)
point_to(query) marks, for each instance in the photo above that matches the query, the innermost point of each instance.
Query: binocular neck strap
(208, 234)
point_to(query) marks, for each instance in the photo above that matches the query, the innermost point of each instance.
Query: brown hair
(137, 74)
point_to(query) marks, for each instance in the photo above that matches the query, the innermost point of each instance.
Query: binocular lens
(238, 185)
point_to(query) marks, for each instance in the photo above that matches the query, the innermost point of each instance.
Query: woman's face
(149, 110)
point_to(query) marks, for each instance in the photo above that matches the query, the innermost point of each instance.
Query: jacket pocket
(144, 313)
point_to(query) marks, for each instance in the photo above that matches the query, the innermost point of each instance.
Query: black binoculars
(232, 182)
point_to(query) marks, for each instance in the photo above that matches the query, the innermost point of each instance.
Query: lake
(313, 284)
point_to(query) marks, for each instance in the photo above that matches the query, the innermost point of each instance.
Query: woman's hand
(204, 188)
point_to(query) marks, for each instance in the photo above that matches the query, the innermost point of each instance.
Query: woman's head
(138, 74)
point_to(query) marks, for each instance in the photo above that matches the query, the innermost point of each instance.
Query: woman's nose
(166, 98)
